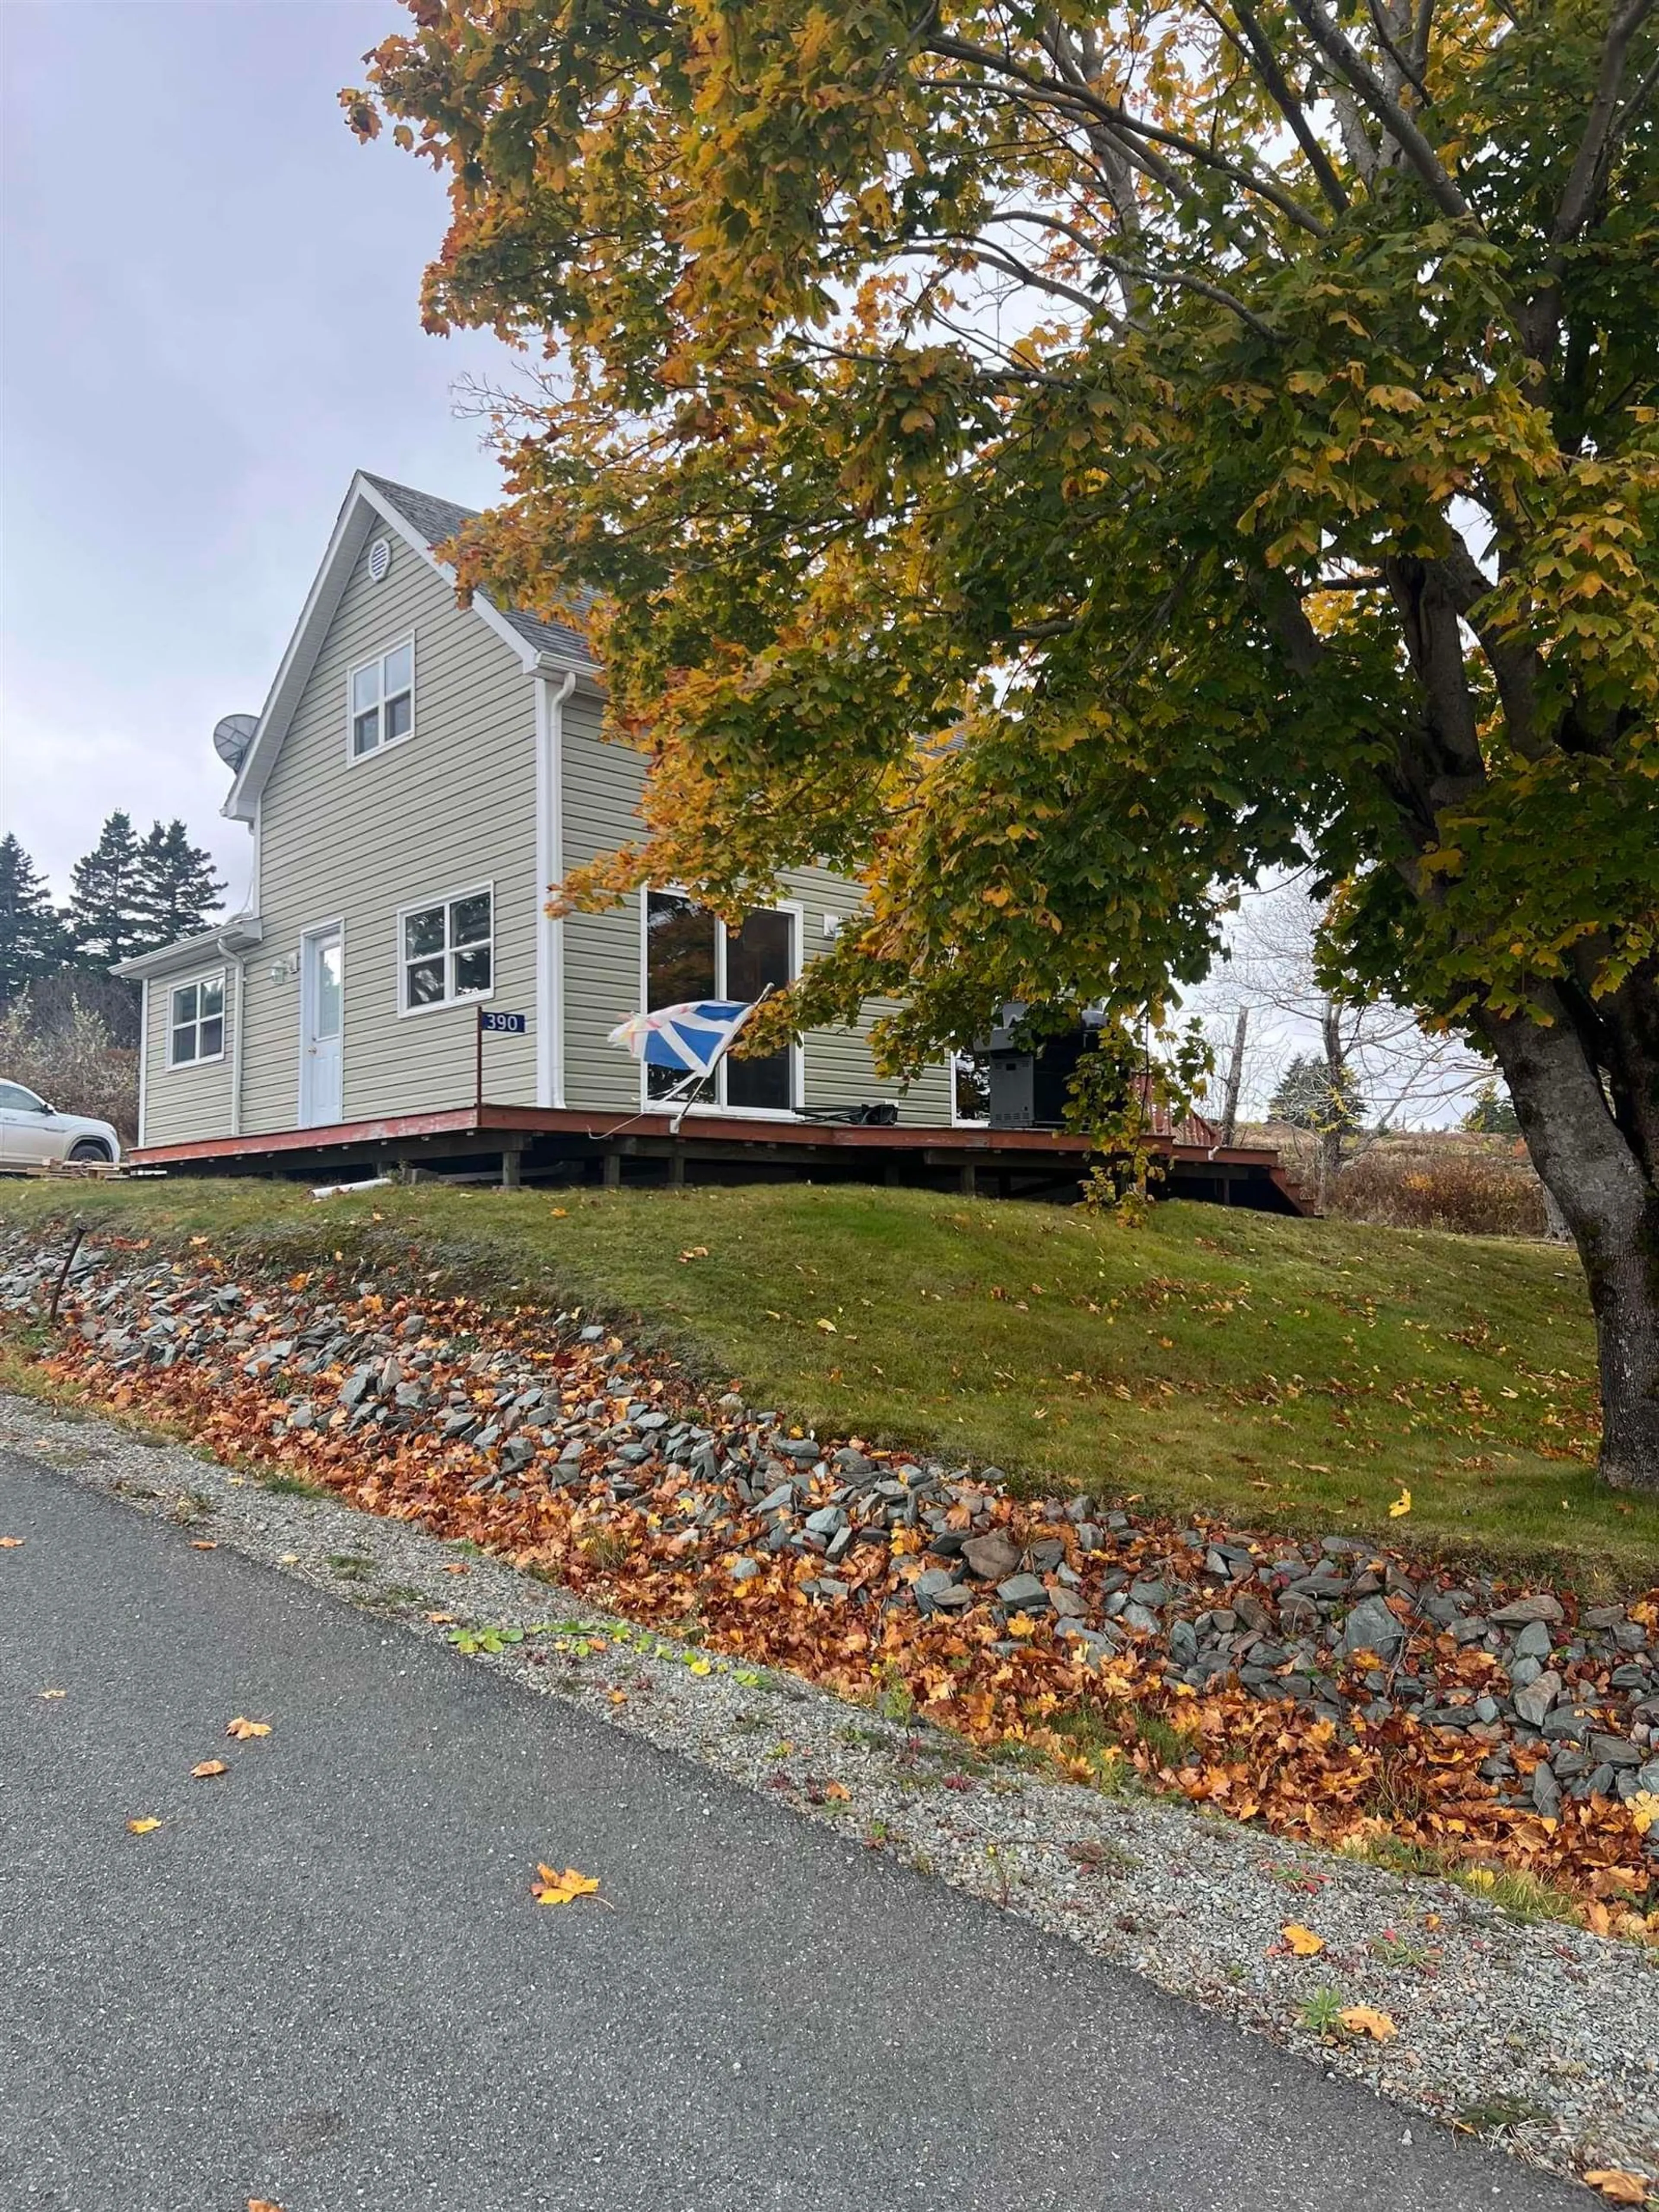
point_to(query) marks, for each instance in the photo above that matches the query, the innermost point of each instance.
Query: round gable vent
(380, 558)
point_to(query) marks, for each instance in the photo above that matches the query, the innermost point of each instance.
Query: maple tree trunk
(1601, 1176)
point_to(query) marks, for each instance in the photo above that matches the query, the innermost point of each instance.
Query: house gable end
(374, 507)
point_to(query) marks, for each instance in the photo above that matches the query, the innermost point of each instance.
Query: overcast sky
(210, 319)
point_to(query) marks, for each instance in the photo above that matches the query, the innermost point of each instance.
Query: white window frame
(378, 660)
(717, 1105)
(199, 984)
(446, 900)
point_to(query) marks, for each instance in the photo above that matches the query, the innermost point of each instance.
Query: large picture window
(690, 954)
(447, 951)
(382, 707)
(196, 1022)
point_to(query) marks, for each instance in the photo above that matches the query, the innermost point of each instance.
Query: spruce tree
(105, 918)
(1310, 1097)
(1493, 1114)
(32, 942)
(177, 892)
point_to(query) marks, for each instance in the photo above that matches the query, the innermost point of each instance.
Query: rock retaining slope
(1330, 1688)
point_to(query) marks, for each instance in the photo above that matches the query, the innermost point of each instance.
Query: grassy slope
(1277, 1372)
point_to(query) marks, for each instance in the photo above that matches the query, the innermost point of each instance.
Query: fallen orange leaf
(203, 1544)
(209, 1766)
(561, 1888)
(457, 1567)
(262, 2204)
(1619, 2185)
(143, 1823)
(1303, 1941)
(838, 1791)
(242, 1730)
(12, 1543)
(1365, 2019)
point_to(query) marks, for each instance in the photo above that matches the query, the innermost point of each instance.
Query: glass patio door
(690, 955)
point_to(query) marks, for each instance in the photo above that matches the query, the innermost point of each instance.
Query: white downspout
(238, 963)
(550, 695)
(143, 1054)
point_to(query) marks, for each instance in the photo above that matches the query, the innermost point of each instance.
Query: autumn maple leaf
(1365, 2019)
(555, 1889)
(1620, 2186)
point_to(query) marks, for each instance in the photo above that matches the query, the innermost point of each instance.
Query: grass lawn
(1274, 1372)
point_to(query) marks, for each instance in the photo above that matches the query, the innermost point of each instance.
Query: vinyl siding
(601, 784)
(448, 809)
(194, 1101)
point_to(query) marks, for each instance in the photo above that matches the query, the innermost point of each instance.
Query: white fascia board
(588, 676)
(242, 933)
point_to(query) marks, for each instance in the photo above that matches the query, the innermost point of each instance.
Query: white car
(31, 1133)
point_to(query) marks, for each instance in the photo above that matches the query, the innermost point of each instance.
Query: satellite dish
(232, 736)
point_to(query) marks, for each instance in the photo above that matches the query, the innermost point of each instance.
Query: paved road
(323, 1983)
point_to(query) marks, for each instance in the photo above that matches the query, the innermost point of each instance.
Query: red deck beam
(490, 1121)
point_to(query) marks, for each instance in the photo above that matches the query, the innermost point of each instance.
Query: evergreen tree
(177, 892)
(1309, 1096)
(1493, 1114)
(105, 917)
(33, 942)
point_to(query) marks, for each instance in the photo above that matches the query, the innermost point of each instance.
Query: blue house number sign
(491, 1024)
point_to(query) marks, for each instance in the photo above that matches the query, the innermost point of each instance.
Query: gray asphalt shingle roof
(438, 519)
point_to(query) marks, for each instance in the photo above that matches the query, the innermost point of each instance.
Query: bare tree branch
(1118, 119)
(1370, 88)
(1266, 64)
(1579, 196)
(1411, 74)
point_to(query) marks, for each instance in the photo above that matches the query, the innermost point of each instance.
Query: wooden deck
(540, 1143)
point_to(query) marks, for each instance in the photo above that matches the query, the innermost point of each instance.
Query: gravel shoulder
(1543, 2036)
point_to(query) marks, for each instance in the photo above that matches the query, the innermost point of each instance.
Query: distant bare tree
(1374, 1050)
(70, 1059)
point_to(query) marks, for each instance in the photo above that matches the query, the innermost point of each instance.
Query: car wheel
(89, 1149)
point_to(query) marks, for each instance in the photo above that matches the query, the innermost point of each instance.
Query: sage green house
(420, 774)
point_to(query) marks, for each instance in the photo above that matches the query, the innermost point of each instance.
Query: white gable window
(382, 702)
(447, 951)
(196, 1022)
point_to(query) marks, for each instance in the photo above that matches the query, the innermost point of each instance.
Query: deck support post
(511, 1167)
(611, 1174)
(677, 1167)
(968, 1182)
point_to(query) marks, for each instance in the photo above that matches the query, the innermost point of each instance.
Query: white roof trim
(366, 509)
(240, 933)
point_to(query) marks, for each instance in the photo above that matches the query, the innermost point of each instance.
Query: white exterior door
(322, 1008)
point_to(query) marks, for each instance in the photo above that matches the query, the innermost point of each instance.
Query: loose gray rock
(1371, 1627)
(1523, 1610)
(1533, 1702)
(993, 1558)
(1024, 1593)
